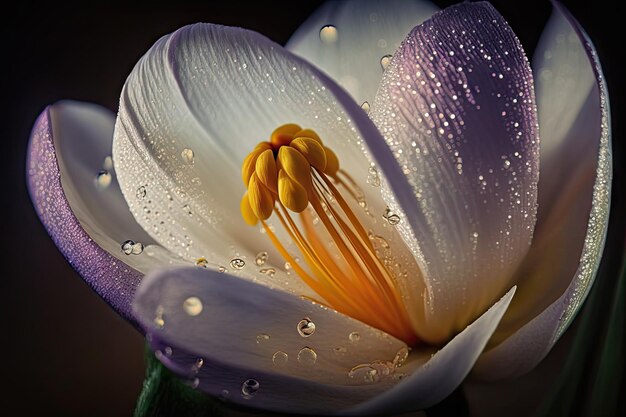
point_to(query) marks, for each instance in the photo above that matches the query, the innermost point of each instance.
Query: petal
(542, 320)
(243, 330)
(218, 91)
(356, 37)
(456, 107)
(433, 381)
(88, 223)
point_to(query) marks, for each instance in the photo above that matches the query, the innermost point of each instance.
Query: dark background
(62, 350)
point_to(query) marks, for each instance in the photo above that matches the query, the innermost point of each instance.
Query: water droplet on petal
(340, 350)
(107, 164)
(224, 394)
(221, 269)
(261, 258)
(373, 178)
(364, 373)
(401, 357)
(391, 217)
(237, 263)
(249, 387)
(307, 356)
(187, 155)
(306, 327)
(141, 192)
(268, 271)
(287, 266)
(507, 164)
(354, 337)
(130, 247)
(263, 337)
(280, 358)
(366, 107)
(168, 351)
(384, 61)
(192, 306)
(159, 320)
(329, 34)
(103, 179)
(195, 368)
(202, 262)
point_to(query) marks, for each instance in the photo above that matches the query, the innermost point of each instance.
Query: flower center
(286, 175)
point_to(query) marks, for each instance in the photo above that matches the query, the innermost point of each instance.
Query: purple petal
(111, 278)
(572, 226)
(456, 107)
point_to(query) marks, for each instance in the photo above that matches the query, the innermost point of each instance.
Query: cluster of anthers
(287, 174)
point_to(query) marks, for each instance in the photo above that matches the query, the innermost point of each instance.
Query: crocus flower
(392, 252)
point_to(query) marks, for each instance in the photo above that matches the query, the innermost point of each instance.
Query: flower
(445, 194)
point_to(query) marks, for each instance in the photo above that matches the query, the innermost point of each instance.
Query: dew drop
(401, 357)
(263, 337)
(329, 34)
(280, 358)
(268, 271)
(354, 337)
(224, 394)
(365, 373)
(340, 350)
(187, 156)
(168, 351)
(391, 217)
(261, 258)
(192, 306)
(221, 269)
(103, 179)
(384, 61)
(365, 106)
(287, 266)
(237, 263)
(141, 192)
(131, 247)
(506, 164)
(107, 164)
(373, 178)
(159, 320)
(249, 387)
(306, 327)
(202, 262)
(307, 356)
(195, 368)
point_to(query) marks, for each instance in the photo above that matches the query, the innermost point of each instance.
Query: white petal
(238, 325)
(436, 379)
(456, 108)
(83, 134)
(361, 34)
(572, 269)
(218, 91)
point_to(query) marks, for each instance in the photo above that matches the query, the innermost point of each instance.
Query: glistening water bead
(307, 356)
(129, 247)
(187, 156)
(261, 258)
(384, 61)
(237, 263)
(329, 34)
(103, 179)
(249, 387)
(192, 306)
(280, 358)
(306, 327)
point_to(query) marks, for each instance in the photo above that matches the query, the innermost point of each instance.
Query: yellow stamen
(290, 173)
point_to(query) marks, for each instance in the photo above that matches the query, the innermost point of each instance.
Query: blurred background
(63, 351)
